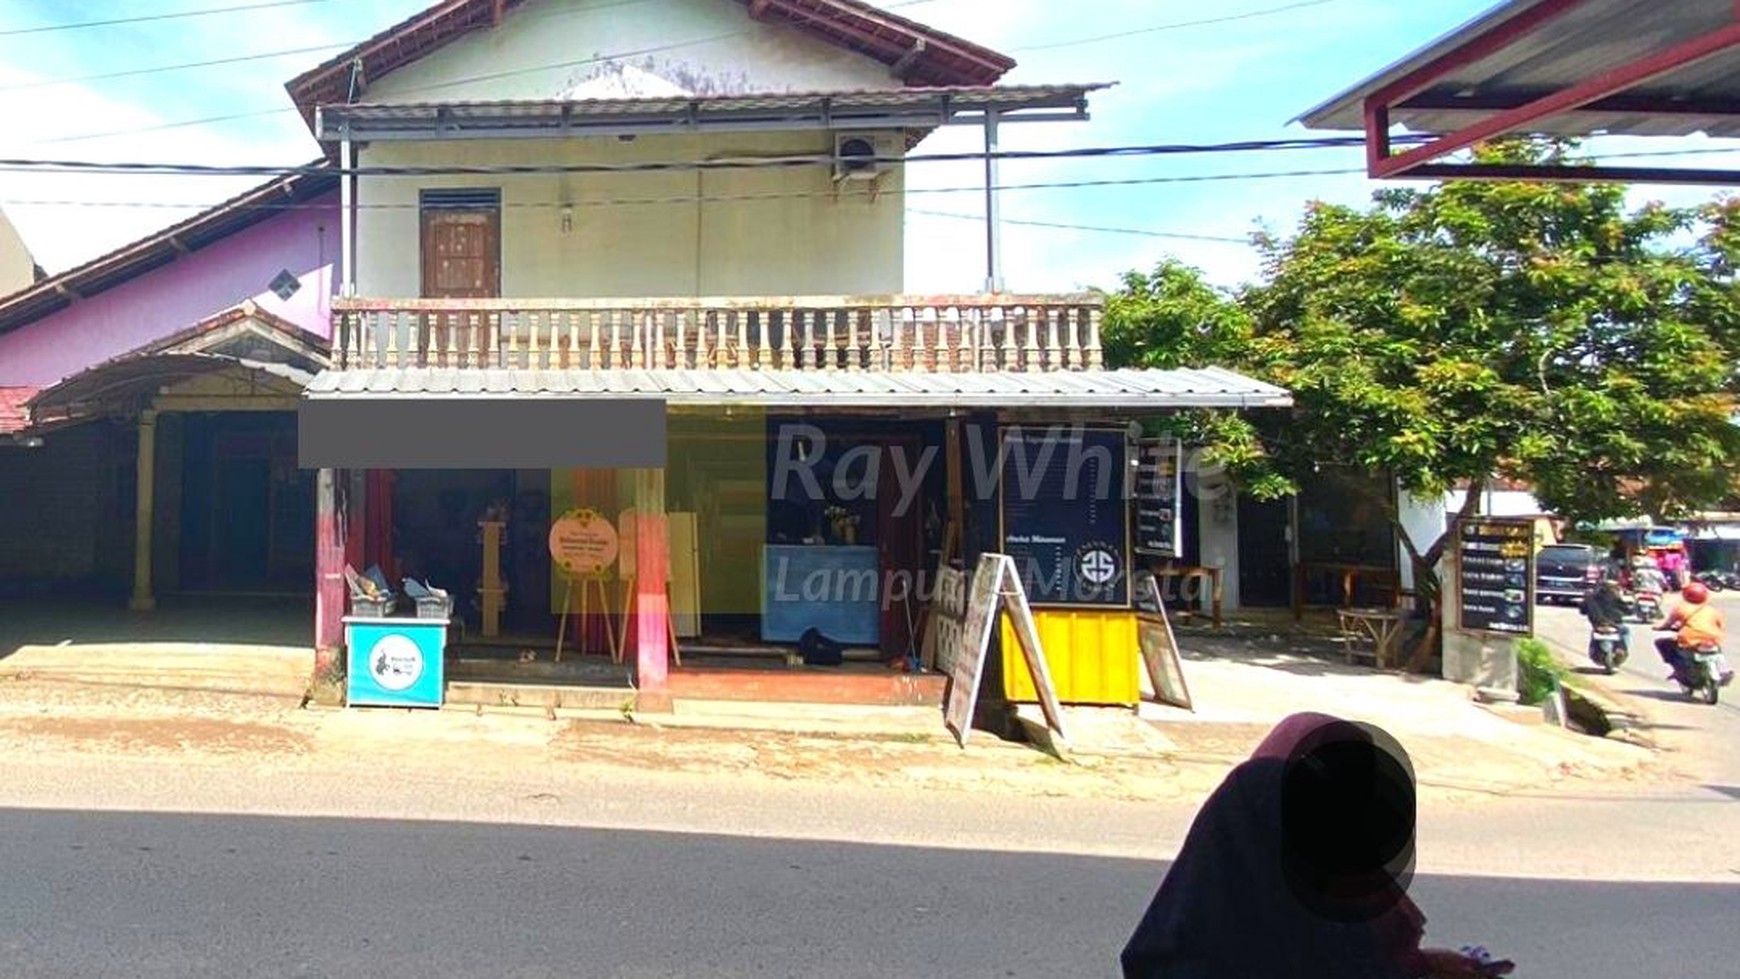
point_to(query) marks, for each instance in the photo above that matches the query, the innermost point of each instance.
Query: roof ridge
(852, 25)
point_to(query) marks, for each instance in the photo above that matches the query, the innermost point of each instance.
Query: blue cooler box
(395, 662)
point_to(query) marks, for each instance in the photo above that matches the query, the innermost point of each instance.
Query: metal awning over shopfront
(920, 109)
(1554, 67)
(1125, 390)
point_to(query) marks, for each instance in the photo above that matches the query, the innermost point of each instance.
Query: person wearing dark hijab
(1297, 867)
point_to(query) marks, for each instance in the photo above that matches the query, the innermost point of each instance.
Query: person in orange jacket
(1694, 622)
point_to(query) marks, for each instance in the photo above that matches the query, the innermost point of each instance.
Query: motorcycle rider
(1694, 622)
(1604, 607)
(1646, 576)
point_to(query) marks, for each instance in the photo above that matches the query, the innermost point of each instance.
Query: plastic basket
(435, 607)
(378, 607)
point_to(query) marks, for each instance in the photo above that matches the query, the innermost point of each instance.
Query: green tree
(1472, 329)
(1171, 317)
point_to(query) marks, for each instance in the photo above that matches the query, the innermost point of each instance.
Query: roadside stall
(395, 660)
(1065, 521)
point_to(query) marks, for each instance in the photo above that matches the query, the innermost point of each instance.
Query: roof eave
(47, 296)
(1346, 110)
(311, 87)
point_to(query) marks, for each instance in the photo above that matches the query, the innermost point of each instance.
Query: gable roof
(241, 323)
(245, 210)
(920, 55)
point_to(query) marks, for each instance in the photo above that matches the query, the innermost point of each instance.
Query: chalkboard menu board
(1066, 517)
(1157, 491)
(1495, 574)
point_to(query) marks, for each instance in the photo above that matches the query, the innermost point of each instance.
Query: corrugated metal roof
(1206, 387)
(836, 109)
(1593, 37)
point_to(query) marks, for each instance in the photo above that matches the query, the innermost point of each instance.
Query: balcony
(883, 334)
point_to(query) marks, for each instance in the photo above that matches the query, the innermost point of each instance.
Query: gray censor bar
(481, 433)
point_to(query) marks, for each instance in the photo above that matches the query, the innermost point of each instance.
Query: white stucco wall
(703, 47)
(688, 233)
(1220, 548)
(1498, 503)
(811, 239)
(1423, 519)
(17, 268)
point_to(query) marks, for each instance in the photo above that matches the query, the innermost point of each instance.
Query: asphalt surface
(94, 894)
(144, 867)
(1701, 739)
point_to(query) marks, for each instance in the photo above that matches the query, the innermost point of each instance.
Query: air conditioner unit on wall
(864, 156)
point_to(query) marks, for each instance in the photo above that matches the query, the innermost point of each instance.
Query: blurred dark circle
(1348, 820)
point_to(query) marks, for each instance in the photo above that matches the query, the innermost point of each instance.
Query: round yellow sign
(582, 543)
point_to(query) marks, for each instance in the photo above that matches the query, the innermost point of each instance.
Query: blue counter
(395, 662)
(837, 590)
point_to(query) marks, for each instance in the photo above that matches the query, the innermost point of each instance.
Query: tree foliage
(1471, 329)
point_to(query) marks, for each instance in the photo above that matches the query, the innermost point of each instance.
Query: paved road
(91, 894)
(143, 867)
(1701, 739)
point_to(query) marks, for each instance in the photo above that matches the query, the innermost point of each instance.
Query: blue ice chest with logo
(395, 662)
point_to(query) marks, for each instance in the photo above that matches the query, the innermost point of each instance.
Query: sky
(1185, 71)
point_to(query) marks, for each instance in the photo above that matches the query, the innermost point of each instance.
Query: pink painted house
(178, 356)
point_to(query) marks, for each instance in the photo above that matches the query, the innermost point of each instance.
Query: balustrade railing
(959, 334)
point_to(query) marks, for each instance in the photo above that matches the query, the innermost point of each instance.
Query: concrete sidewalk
(266, 671)
(159, 693)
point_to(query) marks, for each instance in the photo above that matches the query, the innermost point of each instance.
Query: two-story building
(698, 205)
(647, 263)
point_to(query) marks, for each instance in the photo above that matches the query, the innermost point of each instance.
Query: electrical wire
(1065, 226)
(691, 199)
(1249, 15)
(14, 32)
(263, 56)
(288, 172)
(721, 163)
(262, 113)
(161, 69)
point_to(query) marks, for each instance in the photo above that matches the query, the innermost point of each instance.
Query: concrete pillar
(328, 571)
(1486, 663)
(651, 615)
(144, 513)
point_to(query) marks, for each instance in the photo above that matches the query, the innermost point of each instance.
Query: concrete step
(538, 695)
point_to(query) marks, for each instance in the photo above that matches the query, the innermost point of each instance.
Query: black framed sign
(1065, 514)
(1158, 487)
(1495, 575)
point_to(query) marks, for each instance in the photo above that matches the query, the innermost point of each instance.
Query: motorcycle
(1705, 672)
(1718, 580)
(1648, 606)
(1607, 648)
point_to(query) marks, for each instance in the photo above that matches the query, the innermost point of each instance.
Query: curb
(1624, 716)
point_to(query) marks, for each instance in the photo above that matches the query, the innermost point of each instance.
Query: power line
(725, 163)
(156, 17)
(1171, 27)
(262, 56)
(690, 199)
(162, 69)
(1143, 232)
(793, 195)
(261, 113)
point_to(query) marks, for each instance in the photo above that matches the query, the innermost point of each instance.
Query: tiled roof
(12, 414)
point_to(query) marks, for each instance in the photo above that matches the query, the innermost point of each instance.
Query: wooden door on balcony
(461, 259)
